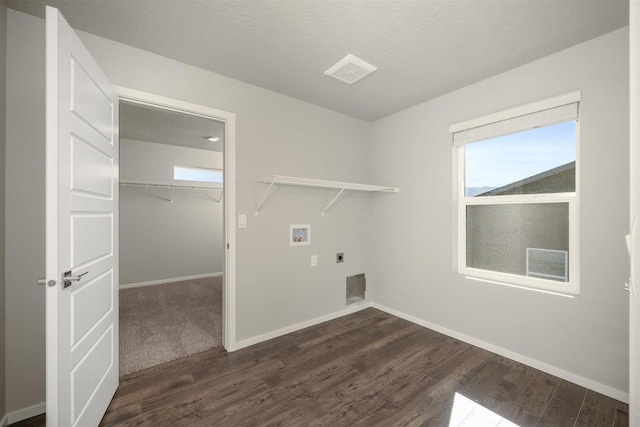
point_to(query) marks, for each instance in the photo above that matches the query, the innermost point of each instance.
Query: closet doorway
(173, 234)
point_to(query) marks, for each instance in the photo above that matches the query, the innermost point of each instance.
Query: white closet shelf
(321, 183)
(132, 183)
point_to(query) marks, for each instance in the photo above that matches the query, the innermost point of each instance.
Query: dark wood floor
(367, 369)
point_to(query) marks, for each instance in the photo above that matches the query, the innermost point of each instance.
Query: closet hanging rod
(128, 183)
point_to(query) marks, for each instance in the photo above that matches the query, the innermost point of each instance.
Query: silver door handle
(627, 287)
(77, 278)
(42, 281)
(68, 278)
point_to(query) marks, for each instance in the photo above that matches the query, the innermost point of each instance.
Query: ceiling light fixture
(213, 139)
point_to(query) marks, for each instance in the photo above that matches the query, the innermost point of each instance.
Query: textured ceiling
(422, 48)
(148, 124)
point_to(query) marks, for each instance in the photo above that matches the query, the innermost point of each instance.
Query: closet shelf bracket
(172, 188)
(319, 183)
(220, 197)
(332, 202)
(264, 198)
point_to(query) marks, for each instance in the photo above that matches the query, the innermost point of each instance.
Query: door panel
(90, 167)
(92, 238)
(89, 102)
(89, 304)
(81, 231)
(89, 373)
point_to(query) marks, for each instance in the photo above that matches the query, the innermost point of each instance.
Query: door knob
(43, 280)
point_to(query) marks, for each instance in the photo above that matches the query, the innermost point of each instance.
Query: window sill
(564, 289)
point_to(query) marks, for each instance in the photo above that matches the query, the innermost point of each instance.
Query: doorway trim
(229, 283)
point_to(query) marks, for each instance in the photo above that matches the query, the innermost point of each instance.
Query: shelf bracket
(264, 198)
(332, 202)
(219, 198)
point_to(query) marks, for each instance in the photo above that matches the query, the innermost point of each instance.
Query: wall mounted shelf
(320, 183)
(172, 187)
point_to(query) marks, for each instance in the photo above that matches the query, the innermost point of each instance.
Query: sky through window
(496, 162)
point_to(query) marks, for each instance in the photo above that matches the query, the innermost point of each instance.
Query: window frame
(571, 287)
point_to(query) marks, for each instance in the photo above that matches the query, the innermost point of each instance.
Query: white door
(81, 231)
(634, 291)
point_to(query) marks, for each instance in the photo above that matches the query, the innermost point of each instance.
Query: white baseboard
(4, 421)
(174, 279)
(293, 328)
(545, 367)
(26, 413)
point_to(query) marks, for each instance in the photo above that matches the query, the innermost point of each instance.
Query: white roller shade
(542, 113)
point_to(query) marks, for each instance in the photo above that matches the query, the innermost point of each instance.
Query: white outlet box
(299, 234)
(314, 260)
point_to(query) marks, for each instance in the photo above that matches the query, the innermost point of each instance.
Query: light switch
(314, 260)
(242, 221)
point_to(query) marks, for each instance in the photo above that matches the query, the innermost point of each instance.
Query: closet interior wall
(162, 239)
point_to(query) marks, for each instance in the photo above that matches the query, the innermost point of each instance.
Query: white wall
(276, 134)
(3, 87)
(25, 315)
(413, 253)
(161, 240)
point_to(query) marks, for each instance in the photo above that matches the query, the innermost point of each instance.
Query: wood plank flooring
(365, 369)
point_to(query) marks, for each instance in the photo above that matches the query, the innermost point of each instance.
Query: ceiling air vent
(350, 70)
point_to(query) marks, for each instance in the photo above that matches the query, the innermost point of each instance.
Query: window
(516, 191)
(182, 173)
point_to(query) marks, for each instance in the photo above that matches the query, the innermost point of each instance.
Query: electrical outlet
(340, 257)
(314, 260)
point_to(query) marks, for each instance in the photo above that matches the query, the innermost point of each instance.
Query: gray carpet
(160, 323)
